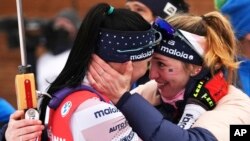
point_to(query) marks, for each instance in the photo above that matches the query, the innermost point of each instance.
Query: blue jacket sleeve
(2, 132)
(150, 125)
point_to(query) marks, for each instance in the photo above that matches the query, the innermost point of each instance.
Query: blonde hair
(221, 42)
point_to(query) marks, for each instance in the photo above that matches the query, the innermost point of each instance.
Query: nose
(153, 74)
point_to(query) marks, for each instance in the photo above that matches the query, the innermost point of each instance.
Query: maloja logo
(106, 111)
(175, 52)
(142, 55)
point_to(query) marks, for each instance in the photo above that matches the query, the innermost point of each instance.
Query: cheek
(179, 81)
(176, 78)
(139, 69)
(138, 73)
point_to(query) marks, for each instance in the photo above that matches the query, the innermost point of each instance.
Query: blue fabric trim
(2, 132)
(59, 96)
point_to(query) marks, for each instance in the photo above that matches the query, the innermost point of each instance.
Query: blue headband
(122, 46)
(175, 45)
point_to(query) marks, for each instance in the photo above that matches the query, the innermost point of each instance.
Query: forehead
(163, 58)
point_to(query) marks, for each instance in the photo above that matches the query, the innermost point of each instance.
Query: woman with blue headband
(76, 111)
(194, 68)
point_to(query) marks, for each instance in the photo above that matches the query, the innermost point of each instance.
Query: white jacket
(233, 108)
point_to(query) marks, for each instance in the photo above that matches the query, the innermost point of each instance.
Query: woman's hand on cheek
(108, 81)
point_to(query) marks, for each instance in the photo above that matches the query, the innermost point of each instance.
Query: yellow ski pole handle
(25, 90)
(26, 95)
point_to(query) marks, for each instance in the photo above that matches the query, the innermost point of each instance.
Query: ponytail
(221, 44)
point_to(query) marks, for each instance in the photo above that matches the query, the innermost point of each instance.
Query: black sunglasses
(170, 31)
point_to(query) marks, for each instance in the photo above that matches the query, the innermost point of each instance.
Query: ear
(195, 70)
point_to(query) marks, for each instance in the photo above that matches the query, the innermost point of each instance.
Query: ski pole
(25, 81)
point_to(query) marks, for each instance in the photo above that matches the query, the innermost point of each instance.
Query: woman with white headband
(194, 68)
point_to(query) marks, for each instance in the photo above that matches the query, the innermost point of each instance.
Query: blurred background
(37, 16)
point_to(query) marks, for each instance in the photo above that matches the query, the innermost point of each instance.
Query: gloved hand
(204, 97)
(208, 92)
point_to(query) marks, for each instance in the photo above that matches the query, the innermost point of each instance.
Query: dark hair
(86, 43)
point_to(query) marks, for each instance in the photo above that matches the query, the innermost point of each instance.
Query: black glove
(209, 91)
(204, 97)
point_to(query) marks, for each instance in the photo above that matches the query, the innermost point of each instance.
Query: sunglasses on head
(169, 31)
